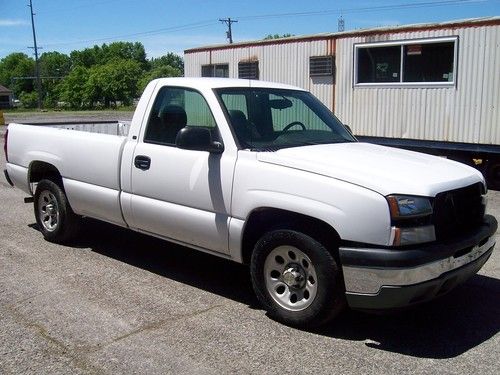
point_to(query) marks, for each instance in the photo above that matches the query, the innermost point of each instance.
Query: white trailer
(428, 87)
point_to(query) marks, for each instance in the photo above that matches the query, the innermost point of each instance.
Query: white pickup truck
(262, 173)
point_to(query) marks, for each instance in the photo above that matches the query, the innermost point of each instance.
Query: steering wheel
(292, 124)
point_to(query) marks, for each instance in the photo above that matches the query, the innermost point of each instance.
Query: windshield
(267, 119)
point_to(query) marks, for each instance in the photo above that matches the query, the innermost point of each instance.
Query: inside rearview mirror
(280, 103)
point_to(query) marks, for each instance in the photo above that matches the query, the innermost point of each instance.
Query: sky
(172, 26)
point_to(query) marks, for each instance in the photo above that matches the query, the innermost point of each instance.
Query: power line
(191, 26)
(31, 78)
(228, 21)
(205, 23)
(427, 4)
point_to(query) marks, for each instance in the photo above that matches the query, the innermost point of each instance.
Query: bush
(29, 99)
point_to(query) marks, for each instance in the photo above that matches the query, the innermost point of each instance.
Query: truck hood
(385, 170)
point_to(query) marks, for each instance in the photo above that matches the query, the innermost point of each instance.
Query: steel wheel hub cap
(294, 277)
(48, 210)
(290, 278)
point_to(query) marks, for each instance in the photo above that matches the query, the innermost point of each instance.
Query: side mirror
(199, 139)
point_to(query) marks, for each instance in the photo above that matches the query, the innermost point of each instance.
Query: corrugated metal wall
(284, 63)
(468, 112)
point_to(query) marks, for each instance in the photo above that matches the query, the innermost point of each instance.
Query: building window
(321, 66)
(406, 63)
(379, 64)
(215, 70)
(248, 70)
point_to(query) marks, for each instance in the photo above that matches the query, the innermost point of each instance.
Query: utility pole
(37, 64)
(229, 33)
(341, 24)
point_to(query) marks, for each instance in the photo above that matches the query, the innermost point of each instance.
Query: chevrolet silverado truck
(262, 173)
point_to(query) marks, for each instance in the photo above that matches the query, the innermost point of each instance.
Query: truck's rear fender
(25, 176)
(40, 170)
(85, 199)
(265, 219)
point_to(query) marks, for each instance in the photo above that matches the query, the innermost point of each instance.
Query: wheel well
(40, 170)
(263, 220)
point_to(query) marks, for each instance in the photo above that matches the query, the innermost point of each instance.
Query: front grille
(458, 211)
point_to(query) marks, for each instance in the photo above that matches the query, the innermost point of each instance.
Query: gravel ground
(120, 302)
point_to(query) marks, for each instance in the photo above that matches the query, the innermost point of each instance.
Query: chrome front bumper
(370, 280)
(389, 278)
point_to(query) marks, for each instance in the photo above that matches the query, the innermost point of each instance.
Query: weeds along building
(431, 82)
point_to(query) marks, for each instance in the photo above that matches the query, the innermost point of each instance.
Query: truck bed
(87, 155)
(119, 128)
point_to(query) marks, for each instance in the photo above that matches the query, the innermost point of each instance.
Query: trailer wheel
(493, 174)
(54, 216)
(296, 279)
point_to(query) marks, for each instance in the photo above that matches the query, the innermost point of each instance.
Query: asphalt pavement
(120, 302)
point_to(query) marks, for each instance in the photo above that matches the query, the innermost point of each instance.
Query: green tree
(87, 57)
(103, 75)
(125, 51)
(170, 59)
(112, 82)
(101, 55)
(14, 66)
(72, 88)
(53, 65)
(159, 72)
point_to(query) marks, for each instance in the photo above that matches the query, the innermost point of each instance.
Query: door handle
(142, 162)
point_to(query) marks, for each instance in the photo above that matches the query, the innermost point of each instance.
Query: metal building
(5, 97)
(433, 82)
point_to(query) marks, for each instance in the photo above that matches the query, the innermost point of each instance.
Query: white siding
(465, 113)
(284, 63)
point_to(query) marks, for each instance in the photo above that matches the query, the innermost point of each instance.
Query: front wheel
(54, 216)
(493, 174)
(296, 279)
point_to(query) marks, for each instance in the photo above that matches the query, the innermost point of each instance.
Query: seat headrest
(173, 115)
(237, 116)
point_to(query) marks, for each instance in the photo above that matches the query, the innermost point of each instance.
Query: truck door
(183, 195)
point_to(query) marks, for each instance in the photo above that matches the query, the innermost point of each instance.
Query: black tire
(493, 174)
(54, 216)
(329, 299)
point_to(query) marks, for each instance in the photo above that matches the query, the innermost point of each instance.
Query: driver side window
(175, 108)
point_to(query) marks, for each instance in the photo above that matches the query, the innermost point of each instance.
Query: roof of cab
(213, 83)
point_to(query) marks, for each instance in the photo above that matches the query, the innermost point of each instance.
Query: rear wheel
(296, 279)
(54, 216)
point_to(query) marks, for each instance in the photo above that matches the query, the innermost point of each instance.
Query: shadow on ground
(445, 328)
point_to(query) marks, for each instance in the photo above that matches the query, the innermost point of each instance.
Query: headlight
(411, 220)
(404, 206)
